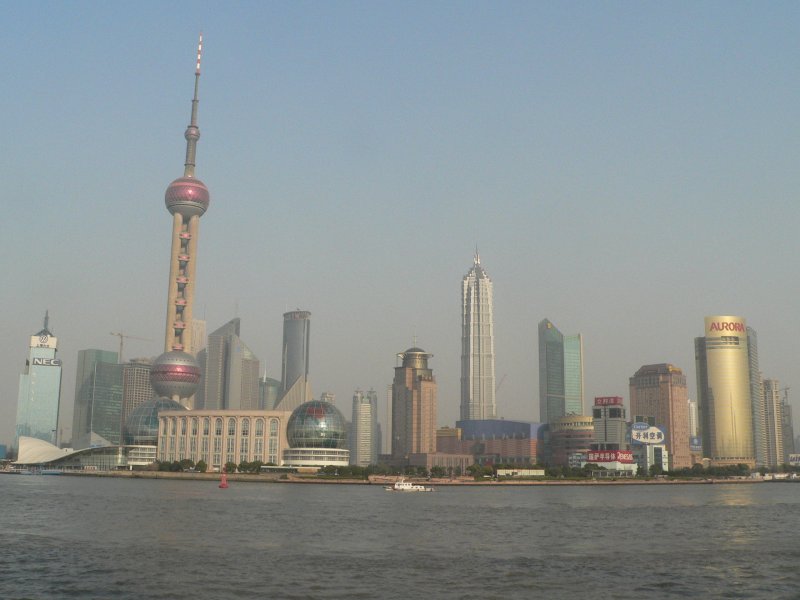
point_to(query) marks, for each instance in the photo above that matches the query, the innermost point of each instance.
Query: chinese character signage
(642, 433)
(602, 456)
(608, 401)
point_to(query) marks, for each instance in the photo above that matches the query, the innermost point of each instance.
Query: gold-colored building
(723, 392)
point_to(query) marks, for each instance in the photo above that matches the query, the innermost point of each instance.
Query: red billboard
(601, 456)
(608, 401)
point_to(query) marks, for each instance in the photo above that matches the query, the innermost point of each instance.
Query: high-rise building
(296, 343)
(136, 386)
(560, 373)
(787, 426)
(40, 388)
(387, 436)
(757, 400)
(175, 373)
(97, 413)
(231, 371)
(269, 390)
(364, 431)
(477, 345)
(694, 427)
(773, 412)
(328, 397)
(413, 406)
(609, 423)
(723, 392)
(659, 392)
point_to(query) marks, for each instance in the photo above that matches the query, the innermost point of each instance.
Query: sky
(625, 169)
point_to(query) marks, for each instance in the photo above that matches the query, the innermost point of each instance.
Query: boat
(401, 485)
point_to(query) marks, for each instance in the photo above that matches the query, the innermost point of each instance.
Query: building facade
(97, 413)
(230, 372)
(773, 412)
(569, 440)
(610, 427)
(757, 400)
(295, 350)
(364, 429)
(659, 392)
(136, 387)
(560, 373)
(222, 436)
(723, 392)
(39, 395)
(477, 345)
(414, 407)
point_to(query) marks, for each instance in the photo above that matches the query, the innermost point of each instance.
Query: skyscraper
(757, 400)
(296, 342)
(97, 414)
(364, 432)
(175, 373)
(787, 426)
(560, 373)
(40, 388)
(136, 387)
(413, 406)
(231, 371)
(659, 392)
(295, 388)
(477, 345)
(723, 392)
(773, 412)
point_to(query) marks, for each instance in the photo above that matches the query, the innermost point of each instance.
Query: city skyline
(627, 167)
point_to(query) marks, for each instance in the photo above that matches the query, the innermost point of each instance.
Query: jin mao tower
(477, 345)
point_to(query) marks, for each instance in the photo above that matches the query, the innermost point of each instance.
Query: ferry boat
(401, 485)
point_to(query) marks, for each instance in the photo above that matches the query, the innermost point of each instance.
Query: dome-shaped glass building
(317, 436)
(141, 427)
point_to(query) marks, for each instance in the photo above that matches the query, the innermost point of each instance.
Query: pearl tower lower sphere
(175, 373)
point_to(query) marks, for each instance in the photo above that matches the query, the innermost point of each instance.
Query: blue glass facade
(560, 373)
(40, 390)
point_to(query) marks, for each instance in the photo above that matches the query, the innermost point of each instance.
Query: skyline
(625, 174)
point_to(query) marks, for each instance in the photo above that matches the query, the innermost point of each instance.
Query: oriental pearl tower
(175, 373)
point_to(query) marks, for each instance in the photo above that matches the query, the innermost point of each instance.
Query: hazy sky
(625, 169)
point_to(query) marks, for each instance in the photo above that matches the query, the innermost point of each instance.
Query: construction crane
(122, 337)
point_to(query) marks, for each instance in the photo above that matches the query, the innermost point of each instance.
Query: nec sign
(47, 362)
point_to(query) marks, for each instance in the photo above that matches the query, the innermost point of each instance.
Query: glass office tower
(40, 389)
(560, 373)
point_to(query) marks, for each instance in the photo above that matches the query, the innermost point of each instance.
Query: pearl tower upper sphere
(175, 373)
(188, 196)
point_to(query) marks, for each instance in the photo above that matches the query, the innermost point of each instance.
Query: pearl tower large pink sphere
(187, 196)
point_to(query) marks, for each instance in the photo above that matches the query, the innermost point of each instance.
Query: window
(231, 426)
(194, 426)
(218, 427)
(245, 427)
(259, 427)
(206, 424)
(183, 426)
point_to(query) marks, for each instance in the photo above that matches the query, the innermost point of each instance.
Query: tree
(201, 466)
(230, 467)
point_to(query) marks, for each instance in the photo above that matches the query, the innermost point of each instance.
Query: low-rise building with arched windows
(222, 436)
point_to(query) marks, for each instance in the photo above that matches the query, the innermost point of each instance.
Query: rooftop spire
(192, 132)
(477, 257)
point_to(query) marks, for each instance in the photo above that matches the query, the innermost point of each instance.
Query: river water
(81, 537)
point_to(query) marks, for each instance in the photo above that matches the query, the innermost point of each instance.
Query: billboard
(695, 444)
(602, 456)
(794, 460)
(644, 433)
(608, 401)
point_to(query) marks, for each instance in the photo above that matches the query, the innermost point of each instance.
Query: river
(83, 537)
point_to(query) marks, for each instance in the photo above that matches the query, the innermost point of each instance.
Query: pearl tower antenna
(192, 132)
(175, 373)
